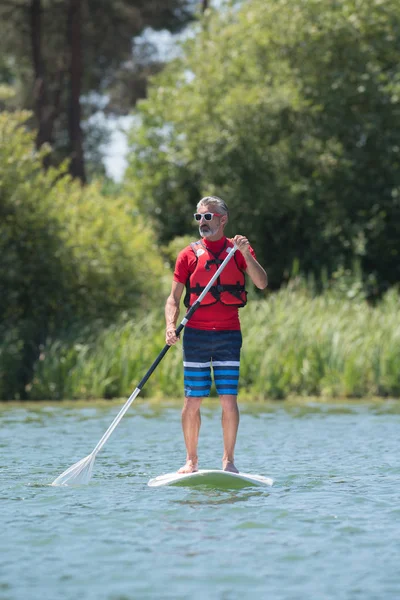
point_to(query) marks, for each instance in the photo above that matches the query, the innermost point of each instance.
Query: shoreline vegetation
(296, 343)
(257, 106)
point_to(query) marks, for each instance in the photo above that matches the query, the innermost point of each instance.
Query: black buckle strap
(215, 261)
(235, 289)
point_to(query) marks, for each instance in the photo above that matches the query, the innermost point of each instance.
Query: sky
(116, 152)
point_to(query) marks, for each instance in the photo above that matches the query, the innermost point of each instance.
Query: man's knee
(192, 403)
(228, 402)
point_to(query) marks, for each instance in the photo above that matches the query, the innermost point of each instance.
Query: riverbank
(295, 344)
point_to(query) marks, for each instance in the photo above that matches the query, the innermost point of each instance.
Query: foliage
(45, 44)
(291, 112)
(295, 344)
(171, 251)
(68, 255)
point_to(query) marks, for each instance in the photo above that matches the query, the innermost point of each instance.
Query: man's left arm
(255, 271)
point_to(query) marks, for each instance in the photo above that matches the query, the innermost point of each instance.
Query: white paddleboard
(212, 478)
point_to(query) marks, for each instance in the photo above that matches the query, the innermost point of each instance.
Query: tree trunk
(74, 36)
(204, 5)
(43, 111)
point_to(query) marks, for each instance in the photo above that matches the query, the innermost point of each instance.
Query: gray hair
(213, 202)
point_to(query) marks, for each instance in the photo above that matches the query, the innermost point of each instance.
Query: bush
(68, 255)
(296, 343)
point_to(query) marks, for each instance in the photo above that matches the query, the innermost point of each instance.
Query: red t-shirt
(215, 316)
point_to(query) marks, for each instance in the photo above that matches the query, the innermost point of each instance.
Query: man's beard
(207, 231)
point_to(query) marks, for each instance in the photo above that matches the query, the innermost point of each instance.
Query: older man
(212, 337)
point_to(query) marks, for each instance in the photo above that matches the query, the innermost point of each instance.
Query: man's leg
(230, 424)
(197, 383)
(191, 421)
(226, 364)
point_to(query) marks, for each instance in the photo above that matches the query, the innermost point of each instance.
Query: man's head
(212, 216)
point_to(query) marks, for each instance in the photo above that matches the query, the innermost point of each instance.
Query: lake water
(329, 528)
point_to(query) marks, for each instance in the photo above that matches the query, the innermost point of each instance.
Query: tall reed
(295, 343)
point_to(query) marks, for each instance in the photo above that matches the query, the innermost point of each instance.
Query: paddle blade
(79, 474)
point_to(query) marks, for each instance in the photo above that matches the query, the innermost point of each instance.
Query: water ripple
(329, 528)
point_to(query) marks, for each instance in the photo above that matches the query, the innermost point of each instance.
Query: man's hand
(243, 244)
(170, 336)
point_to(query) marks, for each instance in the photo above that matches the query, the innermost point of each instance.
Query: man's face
(208, 228)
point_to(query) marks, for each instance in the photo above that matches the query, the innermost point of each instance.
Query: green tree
(291, 111)
(69, 256)
(68, 51)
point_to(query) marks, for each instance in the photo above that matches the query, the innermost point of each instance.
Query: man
(212, 336)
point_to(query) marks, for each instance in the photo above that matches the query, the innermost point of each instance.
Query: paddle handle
(163, 352)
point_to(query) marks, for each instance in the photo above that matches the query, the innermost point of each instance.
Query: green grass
(322, 346)
(294, 344)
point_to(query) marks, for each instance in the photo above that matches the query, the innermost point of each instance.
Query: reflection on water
(217, 497)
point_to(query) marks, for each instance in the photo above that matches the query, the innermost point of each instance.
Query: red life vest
(228, 288)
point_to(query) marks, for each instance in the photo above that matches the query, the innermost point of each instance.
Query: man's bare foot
(189, 467)
(227, 465)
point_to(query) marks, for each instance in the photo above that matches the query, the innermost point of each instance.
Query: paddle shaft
(163, 352)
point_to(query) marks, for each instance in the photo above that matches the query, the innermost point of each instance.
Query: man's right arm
(172, 312)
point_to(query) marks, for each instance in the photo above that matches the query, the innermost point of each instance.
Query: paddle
(81, 472)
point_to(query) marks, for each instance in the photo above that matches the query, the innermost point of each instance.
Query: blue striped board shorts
(205, 349)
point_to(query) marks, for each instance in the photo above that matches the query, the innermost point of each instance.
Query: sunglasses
(206, 216)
